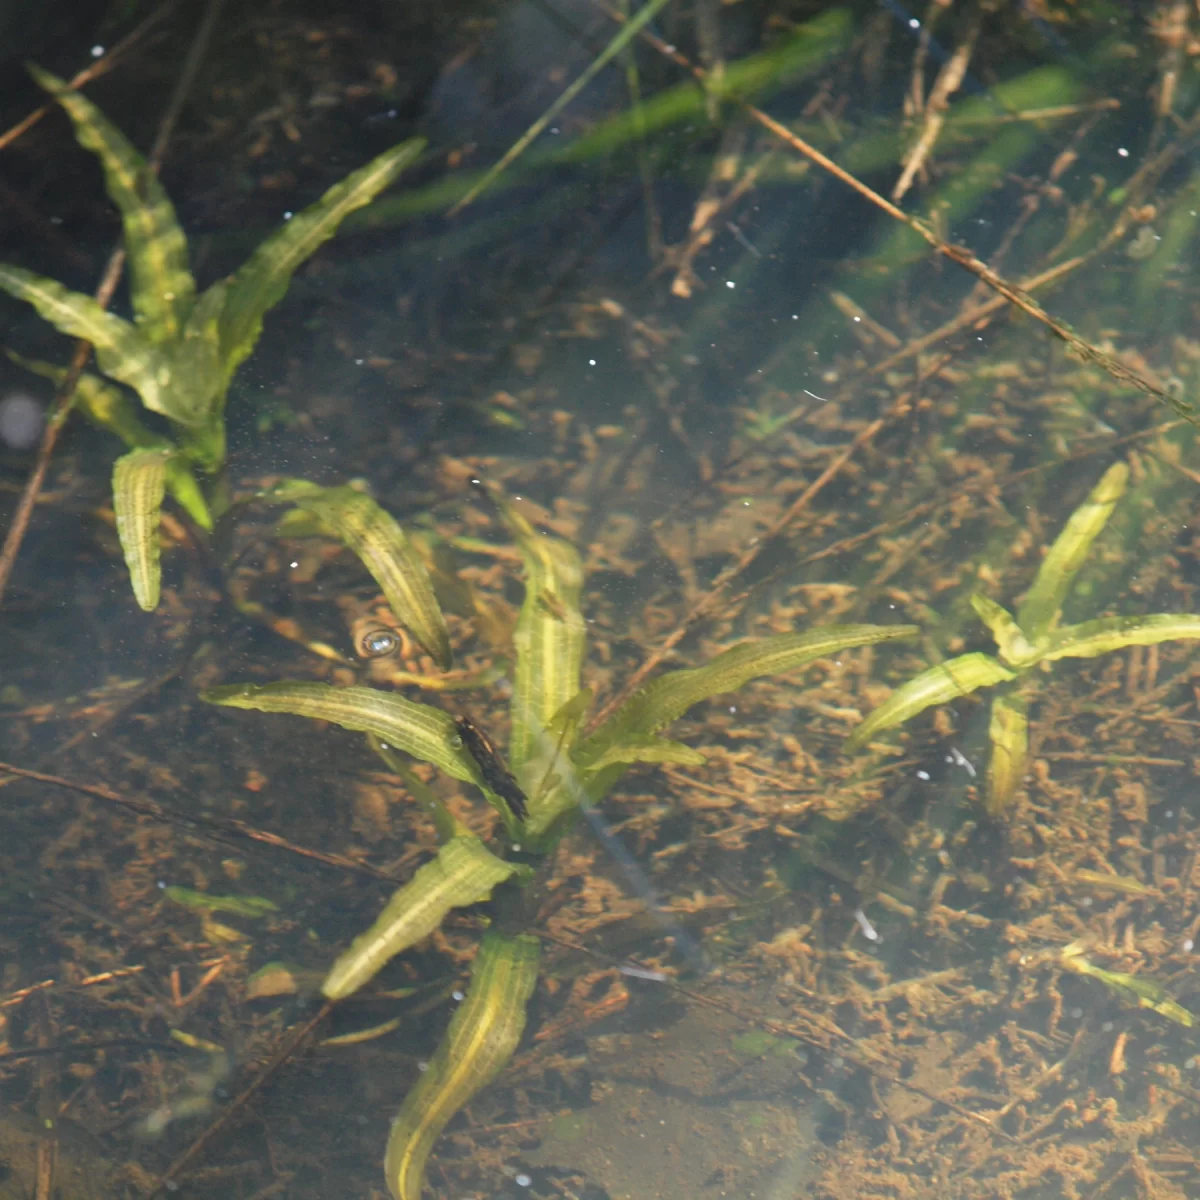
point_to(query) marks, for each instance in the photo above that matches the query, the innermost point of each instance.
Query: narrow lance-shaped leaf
(549, 638)
(106, 406)
(445, 822)
(464, 872)
(1008, 733)
(647, 750)
(1102, 636)
(1040, 609)
(947, 681)
(161, 286)
(483, 1034)
(139, 483)
(665, 699)
(418, 729)
(376, 537)
(121, 351)
(263, 279)
(1014, 646)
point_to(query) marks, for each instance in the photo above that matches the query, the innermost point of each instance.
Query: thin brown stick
(291, 1043)
(104, 294)
(222, 825)
(94, 70)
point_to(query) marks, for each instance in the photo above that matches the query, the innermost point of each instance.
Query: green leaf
(464, 872)
(665, 699)
(445, 822)
(1091, 638)
(1008, 732)
(376, 537)
(1013, 644)
(106, 406)
(242, 906)
(1039, 611)
(947, 681)
(160, 284)
(139, 482)
(483, 1034)
(418, 729)
(121, 351)
(647, 750)
(263, 279)
(549, 637)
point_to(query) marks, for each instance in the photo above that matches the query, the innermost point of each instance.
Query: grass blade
(482, 1036)
(385, 550)
(262, 280)
(1040, 609)
(160, 285)
(947, 681)
(464, 872)
(139, 482)
(665, 699)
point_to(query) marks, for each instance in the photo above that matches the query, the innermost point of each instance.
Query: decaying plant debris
(850, 980)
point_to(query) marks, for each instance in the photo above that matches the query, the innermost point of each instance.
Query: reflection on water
(951, 954)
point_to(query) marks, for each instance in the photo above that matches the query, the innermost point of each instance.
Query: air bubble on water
(457, 995)
(522, 1180)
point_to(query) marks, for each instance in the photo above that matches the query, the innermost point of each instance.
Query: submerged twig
(290, 1045)
(223, 825)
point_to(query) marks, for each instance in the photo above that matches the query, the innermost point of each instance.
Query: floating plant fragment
(1145, 993)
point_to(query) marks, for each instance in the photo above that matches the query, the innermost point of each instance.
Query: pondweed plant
(180, 351)
(553, 770)
(1033, 638)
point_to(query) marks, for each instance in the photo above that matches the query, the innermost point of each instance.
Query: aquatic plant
(180, 351)
(1033, 638)
(554, 768)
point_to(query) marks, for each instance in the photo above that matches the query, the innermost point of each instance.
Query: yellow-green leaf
(121, 351)
(647, 750)
(445, 822)
(482, 1036)
(1008, 732)
(1014, 646)
(418, 729)
(549, 637)
(263, 279)
(161, 286)
(1091, 638)
(377, 538)
(464, 872)
(937, 685)
(105, 405)
(1040, 609)
(139, 483)
(665, 699)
